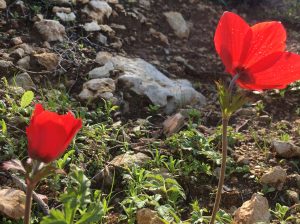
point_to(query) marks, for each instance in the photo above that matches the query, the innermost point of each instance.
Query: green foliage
(26, 99)
(280, 212)
(80, 205)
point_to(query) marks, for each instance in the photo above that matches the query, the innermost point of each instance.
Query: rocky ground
(141, 75)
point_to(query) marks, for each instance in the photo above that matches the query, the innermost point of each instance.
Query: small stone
(264, 119)
(163, 38)
(24, 62)
(102, 39)
(2, 4)
(173, 124)
(286, 149)
(178, 24)
(103, 57)
(66, 17)
(48, 60)
(51, 30)
(246, 112)
(147, 216)
(107, 29)
(23, 80)
(16, 40)
(27, 48)
(5, 64)
(129, 159)
(17, 53)
(293, 196)
(92, 26)
(56, 9)
(253, 211)
(98, 10)
(94, 88)
(242, 160)
(101, 72)
(276, 177)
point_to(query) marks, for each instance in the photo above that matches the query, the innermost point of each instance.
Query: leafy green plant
(280, 212)
(80, 205)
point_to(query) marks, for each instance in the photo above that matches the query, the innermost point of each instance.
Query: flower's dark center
(244, 75)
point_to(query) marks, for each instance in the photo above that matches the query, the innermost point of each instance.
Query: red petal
(229, 39)
(285, 70)
(267, 38)
(72, 126)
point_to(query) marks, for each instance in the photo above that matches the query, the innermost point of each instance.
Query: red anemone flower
(49, 134)
(257, 53)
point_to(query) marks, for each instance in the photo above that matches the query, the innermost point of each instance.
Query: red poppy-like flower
(257, 53)
(49, 134)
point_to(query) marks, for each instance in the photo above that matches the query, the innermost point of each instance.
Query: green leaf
(55, 217)
(4, 127)
(26, 99)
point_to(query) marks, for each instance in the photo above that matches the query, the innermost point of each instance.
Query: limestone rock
(101, 72)
(24, 62)
(178, 24)
(173, 124)
(23, 80)
(12, 203)
(145, 80)
(2, 4)
(275, 177)
(17, 53)
(97, 10)
(5, 64)
(56, 9)
(66, 17)
(16, 40)
(51, 30)
(91, 27)
(97, 88)
(103, 57)
(147, 216)
(48, 60)
(129, 159)
(286, 149)
(253, 211)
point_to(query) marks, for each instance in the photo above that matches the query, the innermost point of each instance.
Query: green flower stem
(28, 203)
(225, 120)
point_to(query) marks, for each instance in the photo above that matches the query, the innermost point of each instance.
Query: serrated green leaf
(55, 217)
(26, 99)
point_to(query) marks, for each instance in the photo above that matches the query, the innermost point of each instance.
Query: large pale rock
(253, 211)
(97, 88)
(97, 10)
(129, 159)
(178, 24)
(145, 80)
(92, 26)
(275, 177)
(286, 149)
(48, 60)
(12, 203)
(51, 30)
(2, 4)
(147, 216)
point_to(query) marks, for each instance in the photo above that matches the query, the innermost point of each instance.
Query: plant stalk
(28, 203)
(225, 120)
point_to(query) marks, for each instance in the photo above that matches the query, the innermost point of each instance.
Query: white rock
(253, 211)
(276, 177)
(286, 149)
(144, 79)
(101, 72)
(91, 27)
(66, 17)
(98, 10)
(102, 38)
(94, 88)
(103, 57)
(178, 24)
(128, 159)
(2, 4)
(56, 9)
(51, 30)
